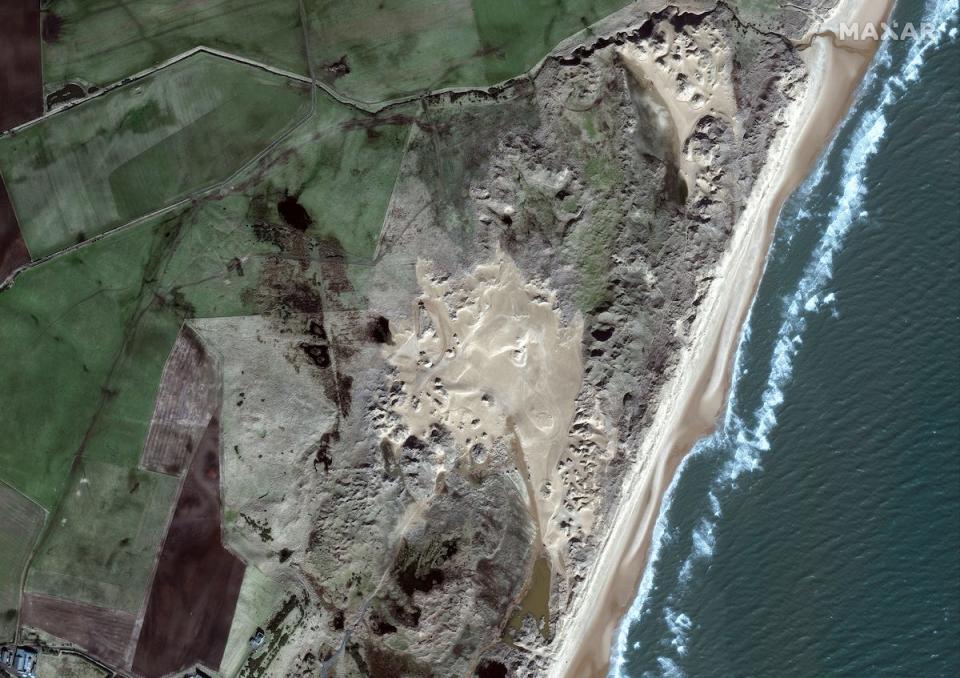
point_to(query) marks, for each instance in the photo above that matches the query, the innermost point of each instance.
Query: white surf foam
(658, 540)
(809, 298)
(669, 668)
(810, 295)
(703, 543)
(679, 625)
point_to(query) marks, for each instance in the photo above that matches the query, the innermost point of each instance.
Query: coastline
(692, 401)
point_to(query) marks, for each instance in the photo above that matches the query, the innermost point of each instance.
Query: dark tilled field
(197, 581)
(21, 83)
(13, 250)
(102, 632)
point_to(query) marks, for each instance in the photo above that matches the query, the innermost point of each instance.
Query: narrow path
(364, 107)
(372, 108)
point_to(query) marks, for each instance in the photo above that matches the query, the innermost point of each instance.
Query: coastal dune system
(669, 595)
(368, 376)
(693, 401)
(689, 75)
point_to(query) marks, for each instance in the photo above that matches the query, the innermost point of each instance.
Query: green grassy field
(393, 48)
(109, 530)
(400, 47)
(142, 146)
(516, 34)
(259, 596)
(86, 334)
(22, 520)
(102, 41)
(343, 174)
(64, 324)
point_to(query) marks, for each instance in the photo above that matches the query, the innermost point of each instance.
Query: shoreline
(691, 403)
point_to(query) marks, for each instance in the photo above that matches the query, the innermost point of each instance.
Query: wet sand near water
(693, 400)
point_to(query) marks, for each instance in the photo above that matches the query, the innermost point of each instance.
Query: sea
(817, 532)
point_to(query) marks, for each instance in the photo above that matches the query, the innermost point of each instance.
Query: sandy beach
(692, 401)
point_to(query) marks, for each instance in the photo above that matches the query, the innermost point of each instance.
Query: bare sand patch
(690, 73)
(491, 360)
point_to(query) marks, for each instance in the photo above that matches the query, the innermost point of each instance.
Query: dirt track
(21, 75)
(197, 581)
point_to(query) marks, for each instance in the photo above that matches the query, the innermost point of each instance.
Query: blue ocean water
(818, 531)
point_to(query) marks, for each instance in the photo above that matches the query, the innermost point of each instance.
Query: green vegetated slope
(21, 523)
(63, 325)
(103, 41)
(394, 48)
(259, 596)
(86, 335)
(140, 147)
(106, 538)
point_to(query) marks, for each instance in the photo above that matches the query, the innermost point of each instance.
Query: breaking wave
(742, 441)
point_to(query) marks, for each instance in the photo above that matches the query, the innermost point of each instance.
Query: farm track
(227, 184)
(363, 107)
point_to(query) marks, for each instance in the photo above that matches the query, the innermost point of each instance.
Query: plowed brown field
(21, 75)
(197, 581)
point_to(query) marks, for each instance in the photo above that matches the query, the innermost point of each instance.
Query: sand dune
(491, 362)
(691, 75)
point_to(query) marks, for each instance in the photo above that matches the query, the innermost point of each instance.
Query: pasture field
(102, 41)
(68, 666)
(142, 146)
(21, 523)
(259, 597)
(394, 48)
(86, 335)
(516, 34)
(63, 325)
(105, 316)
(109, 529)
(343, 172)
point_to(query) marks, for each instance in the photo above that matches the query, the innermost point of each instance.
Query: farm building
(25, 662)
